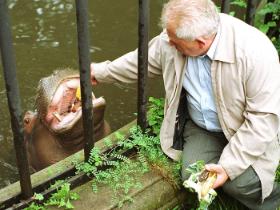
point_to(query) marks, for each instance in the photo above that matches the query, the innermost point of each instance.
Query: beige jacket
(246, 83)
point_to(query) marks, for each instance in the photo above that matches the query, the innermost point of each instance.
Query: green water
(45, 38)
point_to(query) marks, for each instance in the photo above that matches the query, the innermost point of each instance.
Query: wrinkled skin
(50, 139)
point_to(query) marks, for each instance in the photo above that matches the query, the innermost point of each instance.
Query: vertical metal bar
(268, 16)
(9, 68)
(143, 35)
(225, 6)
(273, 31)
(84, 62)
(251, 10)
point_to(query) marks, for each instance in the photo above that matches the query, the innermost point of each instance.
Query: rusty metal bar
(84, 62)
(225, 8)
(251, 11)
(9, 69)
(143, 35)
(273, 31)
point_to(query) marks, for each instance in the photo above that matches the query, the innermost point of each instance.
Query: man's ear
(201, 42)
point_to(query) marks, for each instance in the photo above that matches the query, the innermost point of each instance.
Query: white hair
(192, 18)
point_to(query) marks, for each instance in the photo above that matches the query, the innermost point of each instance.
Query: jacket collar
(179, 59)
(225, 50)
(213, 47)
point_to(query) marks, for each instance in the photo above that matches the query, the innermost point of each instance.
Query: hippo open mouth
(65, 109)
(59, 102)
(55, 130)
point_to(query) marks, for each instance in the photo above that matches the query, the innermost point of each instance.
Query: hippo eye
(26, 121)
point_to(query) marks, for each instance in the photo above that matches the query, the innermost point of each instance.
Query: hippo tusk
(57, 116)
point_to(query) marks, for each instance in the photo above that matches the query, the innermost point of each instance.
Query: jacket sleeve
(125, 68)
(261, 114)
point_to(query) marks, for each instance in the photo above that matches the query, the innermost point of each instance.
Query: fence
(12, 89)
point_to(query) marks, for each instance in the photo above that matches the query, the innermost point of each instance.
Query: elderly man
(227, 75)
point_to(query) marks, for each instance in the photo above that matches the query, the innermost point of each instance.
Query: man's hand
(222, 176)
(92, 77)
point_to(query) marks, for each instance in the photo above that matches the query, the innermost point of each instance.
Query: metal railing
(143, 34)
(250, 9)
(12, 90)
(84, 61)
(13, 96)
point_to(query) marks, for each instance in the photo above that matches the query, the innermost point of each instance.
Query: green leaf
(240, 3)
(195, 167)
(69, 205)
(38, 196)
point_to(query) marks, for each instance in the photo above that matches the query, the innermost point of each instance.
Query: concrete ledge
(54, 170)
(156, 193)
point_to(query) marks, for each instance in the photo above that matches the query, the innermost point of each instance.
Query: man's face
(187, 48)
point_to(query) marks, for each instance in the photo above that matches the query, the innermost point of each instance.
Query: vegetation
(278, 174)
(61, 198)
(155, 114)
(123, 174)
(267, 19)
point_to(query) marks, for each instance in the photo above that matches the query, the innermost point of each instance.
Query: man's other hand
(222, 176)
(92, 77)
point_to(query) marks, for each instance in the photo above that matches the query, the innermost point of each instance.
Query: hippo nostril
(26, 121)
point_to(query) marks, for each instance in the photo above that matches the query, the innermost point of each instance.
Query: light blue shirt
(198, 85)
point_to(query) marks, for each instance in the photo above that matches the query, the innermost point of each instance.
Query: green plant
(124, 173)
(121, 177)
(155, 114)
(267, 19)
(277, 179)
(222, 202)
(38, 196)
(35, 206)
(270, 22)
(63, 197)
(240, 3)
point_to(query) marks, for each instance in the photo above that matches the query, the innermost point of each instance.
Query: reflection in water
(44, 34)
(43, 21)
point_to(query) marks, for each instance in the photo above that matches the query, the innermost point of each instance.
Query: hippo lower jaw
(69, 120)
(66, 122)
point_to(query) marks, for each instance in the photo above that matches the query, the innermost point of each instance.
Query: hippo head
(55, 130)
(58, 104)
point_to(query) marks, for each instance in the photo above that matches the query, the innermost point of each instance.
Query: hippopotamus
(54, 130)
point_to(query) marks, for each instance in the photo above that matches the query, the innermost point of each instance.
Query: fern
(63, 197)
(155, 114)
(34, 206)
